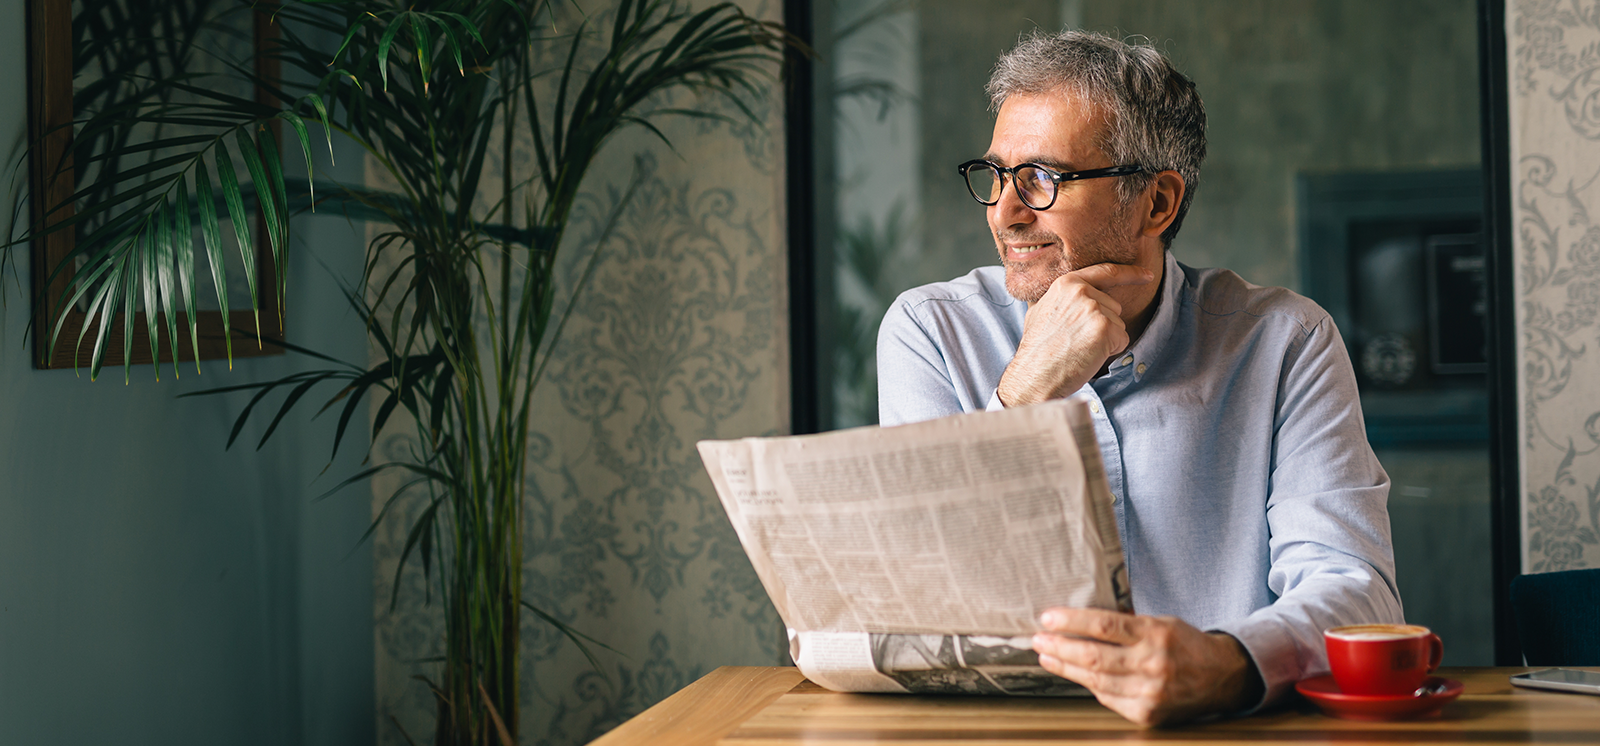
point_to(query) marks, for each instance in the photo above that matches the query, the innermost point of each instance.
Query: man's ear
(1165, 194)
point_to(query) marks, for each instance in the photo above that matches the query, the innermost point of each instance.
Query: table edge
(682, 720)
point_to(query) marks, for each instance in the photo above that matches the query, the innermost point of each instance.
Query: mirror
(1345, 101)
(94, 56)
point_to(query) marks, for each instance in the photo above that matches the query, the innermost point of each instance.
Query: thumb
(1107, 275)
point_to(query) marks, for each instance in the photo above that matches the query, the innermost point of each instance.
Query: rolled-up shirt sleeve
(1331, 555)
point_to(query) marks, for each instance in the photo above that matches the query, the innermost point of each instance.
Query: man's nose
(1009, 210)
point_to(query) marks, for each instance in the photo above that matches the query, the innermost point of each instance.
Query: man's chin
(1027, 287)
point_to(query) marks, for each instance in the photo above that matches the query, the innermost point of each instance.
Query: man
(1252, 510)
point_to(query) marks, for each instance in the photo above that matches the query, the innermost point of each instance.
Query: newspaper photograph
(927, 664)
(917, 558)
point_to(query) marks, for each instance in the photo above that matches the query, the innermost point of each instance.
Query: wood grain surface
(704, 711)
(777, 707)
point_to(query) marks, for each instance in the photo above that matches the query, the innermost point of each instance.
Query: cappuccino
(1382, 659)
(1372, 635)
(1377, 632)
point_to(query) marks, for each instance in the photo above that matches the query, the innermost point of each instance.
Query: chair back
(1558, 617)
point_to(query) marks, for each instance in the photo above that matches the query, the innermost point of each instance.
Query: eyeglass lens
(1035, 186)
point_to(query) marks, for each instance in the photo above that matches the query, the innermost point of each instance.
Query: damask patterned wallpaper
(681, 336)
(1554, 71)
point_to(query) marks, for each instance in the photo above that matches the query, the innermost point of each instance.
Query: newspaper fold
(918, 558)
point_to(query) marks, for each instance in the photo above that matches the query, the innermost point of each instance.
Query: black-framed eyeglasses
(1037, 184)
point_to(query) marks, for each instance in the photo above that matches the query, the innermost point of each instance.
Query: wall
(155, 588)
(680, 337)
(1554, 76)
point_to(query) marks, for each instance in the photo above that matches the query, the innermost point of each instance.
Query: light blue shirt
(1248, 499)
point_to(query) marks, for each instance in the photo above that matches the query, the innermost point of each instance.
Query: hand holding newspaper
(917, 558)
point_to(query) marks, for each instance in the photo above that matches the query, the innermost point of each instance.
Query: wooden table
(757, 706)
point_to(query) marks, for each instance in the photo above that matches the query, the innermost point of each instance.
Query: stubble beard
(1100, 247)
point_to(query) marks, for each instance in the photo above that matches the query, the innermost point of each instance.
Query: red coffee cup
(1382, 659)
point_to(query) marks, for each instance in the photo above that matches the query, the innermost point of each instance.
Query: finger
(1068, 288)
(1080, 676)
(1095, 624)
(1054, 314)
(1107, 275)
(1133, 708)
(1116, 338)
(1103, 685)
(1139, 710)
(1087, 655)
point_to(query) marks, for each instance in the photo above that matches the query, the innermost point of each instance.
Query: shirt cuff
(1273, 651)
(994, 402)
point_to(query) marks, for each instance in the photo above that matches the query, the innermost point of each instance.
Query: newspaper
(917, 558)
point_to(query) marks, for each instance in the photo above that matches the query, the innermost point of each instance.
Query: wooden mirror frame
(50, 114)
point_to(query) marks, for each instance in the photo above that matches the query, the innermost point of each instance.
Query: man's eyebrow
(1043, 161)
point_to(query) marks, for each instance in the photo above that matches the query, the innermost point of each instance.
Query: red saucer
(1323, 691)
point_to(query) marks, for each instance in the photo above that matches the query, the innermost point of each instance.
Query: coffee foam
(1377, 632)
(1373, 635)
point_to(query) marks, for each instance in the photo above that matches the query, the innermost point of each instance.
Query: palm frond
(428, 91)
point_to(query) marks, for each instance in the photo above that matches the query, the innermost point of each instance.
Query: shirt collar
(1146, 351)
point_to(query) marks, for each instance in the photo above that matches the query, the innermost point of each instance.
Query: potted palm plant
(460, 284)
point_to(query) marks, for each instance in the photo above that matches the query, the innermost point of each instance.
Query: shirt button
(1141, 368)
(1094, 407)
(1127, 360)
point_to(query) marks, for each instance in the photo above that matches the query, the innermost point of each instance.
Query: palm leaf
(211, 235)
(383, 46)
(242, 231)
(165, 258)
(183, 257)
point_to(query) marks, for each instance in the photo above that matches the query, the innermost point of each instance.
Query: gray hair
(1155, 117)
